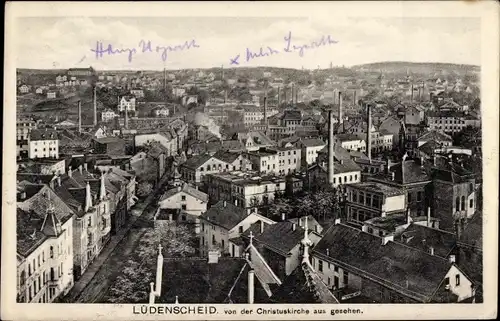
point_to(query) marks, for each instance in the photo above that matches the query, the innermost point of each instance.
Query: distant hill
(416, 67)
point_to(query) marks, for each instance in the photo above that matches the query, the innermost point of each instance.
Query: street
(101, 274)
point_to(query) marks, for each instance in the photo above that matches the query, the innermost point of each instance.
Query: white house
(43, 143)
(225, 221)
(126, 103)
(186, 198)
(108, 115)
(309, 149)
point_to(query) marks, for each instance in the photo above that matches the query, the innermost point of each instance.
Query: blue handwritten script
(290, 47)
(144, 46)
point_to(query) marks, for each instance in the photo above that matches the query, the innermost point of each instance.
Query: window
(213, 239)
(320, 265)
(457, 204)
(38, 260)
(336, 269)
(463, 203)
(471, 203)
(368, 199)
(447, 281)
(409, 197)
(208, 167)
(202, 227)
(90, 221)
(240, 229)
(52, 274)
(354, 196)
(361, 198)
(183, 207)
(201, 169)
(457, 279)
(222, 243)
(419, 196)
(34, 266)
(346, 278)
(183, 197)
(335, 282)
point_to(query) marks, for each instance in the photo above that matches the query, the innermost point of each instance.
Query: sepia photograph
(249, 159)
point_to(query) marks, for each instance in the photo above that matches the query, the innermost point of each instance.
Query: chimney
(327, 252)
(388, 166)
(251, 274)
(58, 180)
(70, 171)
(296, 96)
(85, 166)
(102, 194)
(429, 216)
(126, 117)
(452, 258)
(421, 161)
(330, 148)
(411, 99)
(159, 271)
(88, 197)
(152, 293)
(79, 116)
(341, 113)
(294, 226)
(225, 96)
(80, 169)
(235, 202)
(95, 105)
(337, 221)
(434, 160)
(283, 216)
(431, 250)
(293, 93)
(368, 132)
(224, 203)
(354, 98)
(393, 175)
(265, 114)
(408, 216)
(387, 238)
(261, 227)
(284, 93)
(279, 96)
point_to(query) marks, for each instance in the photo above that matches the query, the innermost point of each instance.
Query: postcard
(250, 160)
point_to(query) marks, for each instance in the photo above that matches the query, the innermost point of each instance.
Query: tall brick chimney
(330, 148)
(368, 132)
(95, 105)
(279, 97)
(79, 116)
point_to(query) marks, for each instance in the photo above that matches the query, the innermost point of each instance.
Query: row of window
(40, 260)
(460, 203)
(42, 279)
(50, 149)
(366, 199)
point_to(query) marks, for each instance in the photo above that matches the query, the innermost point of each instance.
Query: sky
(67, 42)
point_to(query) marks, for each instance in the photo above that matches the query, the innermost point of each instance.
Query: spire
(306, 242)
(176, 299)
(88, 197)
(251, 237)
(159, 271)
(103, 188)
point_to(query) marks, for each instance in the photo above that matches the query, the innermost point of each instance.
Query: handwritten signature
(144, 47)
(267, 51)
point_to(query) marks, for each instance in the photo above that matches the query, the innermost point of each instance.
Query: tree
(468, 137)
(144, 189)
(132, 286)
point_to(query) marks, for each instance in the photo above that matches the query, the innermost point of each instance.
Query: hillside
(416, 67)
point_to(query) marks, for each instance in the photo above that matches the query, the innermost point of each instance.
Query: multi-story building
(43, 143)
(244, 189)
(81, 71)
(23, 129)
(108, 115)
(309, 150)
(127, 103)
(44, 246)
(368, 200)
(197, 167)
(370, 268)
(276, 160)
(346, 171)
(449, 122)
(178, 91)
(164, 138)
(350, 142)
(138, 93)
(86, 195)
(190, 201)
(225, 221)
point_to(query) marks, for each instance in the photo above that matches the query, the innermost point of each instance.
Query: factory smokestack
(126, 117)
(225, 96)
(79, 116)
(164, 78)
(296, 95)
(292, 93)
(330, 148)
(411, 99)
(341, 114)
(279, 97)
(354, 98)
(368, 132)
(95, 105)
(284, 93)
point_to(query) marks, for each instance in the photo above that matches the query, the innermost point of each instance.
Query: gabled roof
(43, 134)
(423, 238)
(412, 172)
(194, 280)
(280, 237)
(435, 136)
(29, 235)
(406, 270)
(185, 189)
(225, 214)
(196, 161)
(312, 142)
(303, 286)
(226, 156)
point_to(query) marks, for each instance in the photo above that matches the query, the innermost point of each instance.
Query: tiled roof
(43, 134)
(292, 115)
(188, 190)
(225, 214)
(108, 140)
(347, 166)
(376, 187)
(303, 286)
(347, 137)
(42, 200)
(262, 270)
(406, 270)
(29, 235)
(423, 238)
(413, 172)
(194, 280)
(435, 136)
(472, 235)
(280, 236)
(225, 156)
(196, 161)
(312, 142)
